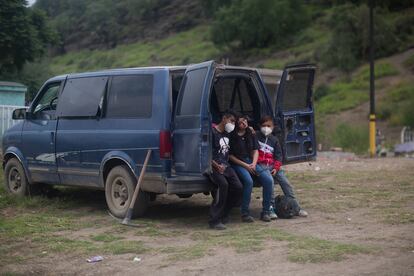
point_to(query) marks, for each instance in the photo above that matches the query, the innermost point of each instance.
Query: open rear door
(192, 123)
(294, 111)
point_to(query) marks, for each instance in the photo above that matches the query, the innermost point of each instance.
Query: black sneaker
(247, 218)
(225, 219)
(218, 226)
(265, 217)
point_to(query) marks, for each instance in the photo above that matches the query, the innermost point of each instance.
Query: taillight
(165, 144)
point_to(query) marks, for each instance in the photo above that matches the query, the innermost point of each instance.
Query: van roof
(118, 70)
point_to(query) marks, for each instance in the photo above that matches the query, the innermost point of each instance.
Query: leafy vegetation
(349, 93)
(397, 106)
(24, 35)
(251, 23)
(185, 47)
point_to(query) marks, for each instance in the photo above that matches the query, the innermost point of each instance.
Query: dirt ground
(361, 222)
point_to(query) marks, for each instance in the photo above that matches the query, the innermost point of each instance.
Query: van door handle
(52, 137)
(205, 137)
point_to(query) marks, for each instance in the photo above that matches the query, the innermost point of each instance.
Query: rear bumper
(188, 185)
(156, 183)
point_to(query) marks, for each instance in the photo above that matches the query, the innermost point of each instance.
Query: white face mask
(229, 127)
(266, 130)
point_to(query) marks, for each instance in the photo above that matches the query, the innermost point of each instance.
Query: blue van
(94, 129)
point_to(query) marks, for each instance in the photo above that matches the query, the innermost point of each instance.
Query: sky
(31, 2)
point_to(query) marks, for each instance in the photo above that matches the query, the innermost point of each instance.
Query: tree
(258, 23)
(349, 43)
(24, 34)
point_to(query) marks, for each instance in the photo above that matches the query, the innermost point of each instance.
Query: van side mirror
(19, 114)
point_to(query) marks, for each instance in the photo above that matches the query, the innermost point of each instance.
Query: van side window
(48, 101)
(130, 97)
(81, 97)
(190, 100)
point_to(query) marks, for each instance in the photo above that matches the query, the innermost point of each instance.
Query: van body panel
(80, 154)
(295, 114)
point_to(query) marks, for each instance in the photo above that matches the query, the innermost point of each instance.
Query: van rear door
(192, 123)
(295, 114)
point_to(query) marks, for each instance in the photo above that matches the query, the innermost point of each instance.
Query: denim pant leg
(266, 179)
(247, 182)
(287, 189)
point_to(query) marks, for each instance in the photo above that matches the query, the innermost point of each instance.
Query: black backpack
(284, 207)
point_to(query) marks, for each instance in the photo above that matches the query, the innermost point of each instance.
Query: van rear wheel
(119, 189)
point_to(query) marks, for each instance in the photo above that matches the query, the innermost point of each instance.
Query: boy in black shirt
(229, 187)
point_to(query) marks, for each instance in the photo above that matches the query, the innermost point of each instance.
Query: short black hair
(266, 118)
(229, 112)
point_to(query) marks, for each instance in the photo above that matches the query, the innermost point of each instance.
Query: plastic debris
(349, 219)
(137, 260)
(95, 259)
(317, 168)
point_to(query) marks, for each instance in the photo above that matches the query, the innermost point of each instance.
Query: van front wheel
(15, 178)
(119, 189)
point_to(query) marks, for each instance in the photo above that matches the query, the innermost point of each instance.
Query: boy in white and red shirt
(269, 167)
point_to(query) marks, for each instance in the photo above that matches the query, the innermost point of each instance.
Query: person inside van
(229, 188)
(270, 162)
(243, 156)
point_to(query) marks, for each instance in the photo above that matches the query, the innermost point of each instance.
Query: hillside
(164, 32)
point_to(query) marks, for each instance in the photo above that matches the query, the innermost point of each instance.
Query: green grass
(182, 48)
(409, 62)
(347, 94)
(397, 105)
(254, 237)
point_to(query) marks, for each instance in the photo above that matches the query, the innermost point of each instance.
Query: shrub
(257, 23)
(351, 138)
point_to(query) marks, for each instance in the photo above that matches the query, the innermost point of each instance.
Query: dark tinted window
(233, 93)
(190, 100)
(130, 96)
(81, 97)
(295, 94)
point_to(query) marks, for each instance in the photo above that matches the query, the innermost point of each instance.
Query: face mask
(266, 130)
(229, 127)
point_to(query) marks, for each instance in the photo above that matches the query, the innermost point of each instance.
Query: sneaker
(302, 213)
(247, 218)
(272, 213)
(218, 226)
(225, 219)
(265, 217)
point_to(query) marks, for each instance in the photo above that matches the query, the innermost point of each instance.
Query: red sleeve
(277, 165)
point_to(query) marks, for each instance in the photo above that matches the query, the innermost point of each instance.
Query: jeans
(287, 189)
(264, 177)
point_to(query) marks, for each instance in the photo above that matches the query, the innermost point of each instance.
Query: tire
(15, 178)
(119, 189)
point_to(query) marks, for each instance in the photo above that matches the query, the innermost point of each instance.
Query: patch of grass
(124, 247)
(409, 62)
(385, 194)
(347, 94)
(105, 237)
(182, 48)
(397, 105)
(351, 138)
(252, 238)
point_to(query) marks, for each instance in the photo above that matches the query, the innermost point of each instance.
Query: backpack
(284, 207)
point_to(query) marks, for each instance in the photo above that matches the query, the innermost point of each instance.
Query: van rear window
(81, 97)
(190, 100)
(296, 94)
(130, 97)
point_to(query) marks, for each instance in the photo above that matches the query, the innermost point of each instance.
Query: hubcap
(120, 193)
(15, 180)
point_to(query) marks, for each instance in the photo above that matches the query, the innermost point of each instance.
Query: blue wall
(11, 95)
